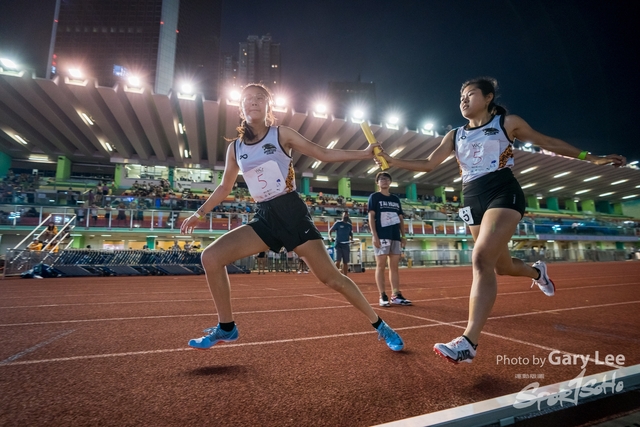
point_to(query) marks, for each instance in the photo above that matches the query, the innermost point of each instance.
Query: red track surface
(112, 351)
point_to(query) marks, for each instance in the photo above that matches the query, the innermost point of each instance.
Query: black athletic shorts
(284, 221)
(498, 189)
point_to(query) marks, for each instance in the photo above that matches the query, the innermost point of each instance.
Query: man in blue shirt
(387, 228)
(344, 237)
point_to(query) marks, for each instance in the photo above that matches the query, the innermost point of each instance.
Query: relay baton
(372, 140)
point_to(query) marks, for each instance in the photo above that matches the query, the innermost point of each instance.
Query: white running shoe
(384, 301)
(456, 351)
(398, 299)
(544, 283)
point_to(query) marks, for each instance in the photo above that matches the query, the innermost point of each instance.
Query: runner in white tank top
(486, 158)
(263, 153)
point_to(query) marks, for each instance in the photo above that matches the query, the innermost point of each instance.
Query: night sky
(570, 68)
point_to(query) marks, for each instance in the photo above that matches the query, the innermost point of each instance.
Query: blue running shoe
(213, 336)
(390, 336)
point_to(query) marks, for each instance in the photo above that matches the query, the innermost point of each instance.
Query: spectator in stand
(94, 213)
(35, 245)
(122, 215)
(50, 232)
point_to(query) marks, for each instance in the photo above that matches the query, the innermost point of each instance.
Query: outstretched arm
(425, 165)
(292, 140)
(520, 129)
(229, 177)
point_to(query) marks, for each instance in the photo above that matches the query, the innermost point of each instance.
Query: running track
(112, 351)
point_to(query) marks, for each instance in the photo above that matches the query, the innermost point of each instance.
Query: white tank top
(266, 167)
(483, 150)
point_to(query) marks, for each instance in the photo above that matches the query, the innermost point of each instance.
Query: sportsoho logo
(570, 395)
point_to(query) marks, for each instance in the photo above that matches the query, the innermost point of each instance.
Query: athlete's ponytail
(487, 85)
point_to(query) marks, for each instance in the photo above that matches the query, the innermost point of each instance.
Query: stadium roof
(83, 122)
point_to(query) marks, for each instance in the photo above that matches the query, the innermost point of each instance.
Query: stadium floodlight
(394, 120)
(528, 145)
(321, 108)
(591, 179)
(528, 185)
(134, 81)
(8, 64)
(428, 126)
(235, 95)
(631, 196)
(582, 191)
(619, 182)
(556, 189)
(606, 194)
(280, 101)
(76, 73)
(186, 88)
(358, 114)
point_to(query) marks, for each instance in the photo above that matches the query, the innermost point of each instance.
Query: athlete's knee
(210, 257)
(482, 262)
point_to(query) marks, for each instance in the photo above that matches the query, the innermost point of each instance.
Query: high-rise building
(161, 41)
(198, 48)
(259, 62)
(228, 72)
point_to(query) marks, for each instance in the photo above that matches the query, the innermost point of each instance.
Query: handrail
(34, 230)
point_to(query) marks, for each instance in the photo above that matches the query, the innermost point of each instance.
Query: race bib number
(389, 218)
(384, 243)
(265, 181)
(465, 214)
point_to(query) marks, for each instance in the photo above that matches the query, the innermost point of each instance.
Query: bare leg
(236, 244)
(381, 262)
(315, 255)
(394, 275)
(491, 240)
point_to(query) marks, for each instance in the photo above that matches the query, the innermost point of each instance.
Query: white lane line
(172, 316)
(9, 360)
(503, 281)
(527, 292)
(289, 310)
(172, 350)
(550, 349)
(321, 295)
